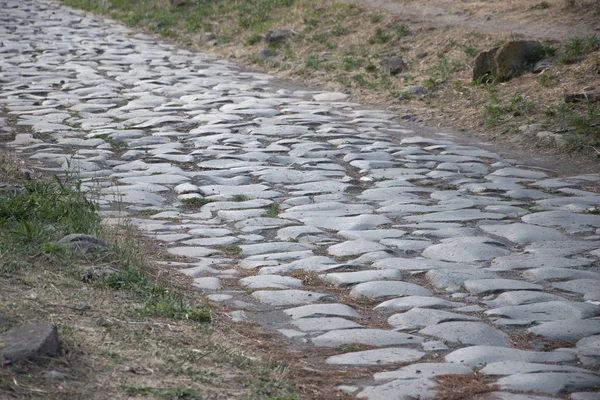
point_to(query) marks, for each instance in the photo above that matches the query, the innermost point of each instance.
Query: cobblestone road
(324, 215)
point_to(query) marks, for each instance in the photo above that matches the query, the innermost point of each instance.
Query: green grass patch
(196, 202)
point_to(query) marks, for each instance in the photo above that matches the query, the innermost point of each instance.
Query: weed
(379, 37)
(272, 211)
(312, 62)
(577, 47)
(546, 79)
(371, 68)
(350, 63)
(240, 198)
(253, 39)
(161, 302)
(196, 202)
(375, 18)
(441, 71)
(234, 251)
(363, 82)
(469, 50)
(401, 31)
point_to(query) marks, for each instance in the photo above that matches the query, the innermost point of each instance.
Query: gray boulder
(28, 342)
(393, 66)
(506, 61)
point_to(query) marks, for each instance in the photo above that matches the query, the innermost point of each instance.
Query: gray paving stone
(401, 389)
(509, 396)
(549, 273)
(520, 297)
(370, 337)
(417, 318)
(273, 247)
(192, 251)
(476, 356)
(579, 286)
(570, 222)
(372, 235)
(351, 278)
(416, 264)
(523, 233)
(451, 280)
(465, 250)
(536, 260)
(322, 310)
(423, 370)
(277, 298)
(589, 345)
(376, 357)
(562, 248)
(519, 173)
(559, 330)
(270, 281)
(208, 283)
(520, 367)
(547, 311)
(487, 286)
(412, 302)
(549, 382)
(474, 333)
(584, 396)
(455, 216)
(354, 248)
(347, 223)
(408, 246)
(324, 324)
(376, 289)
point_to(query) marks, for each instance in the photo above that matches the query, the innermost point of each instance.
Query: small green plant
(253, 39)
(312, 62)
(363, 82)
(350, 63)
(240, 198)
(160, 301)
(379, 37)
(273, 211)
(401, 31)
(196, 202)
(233, 251)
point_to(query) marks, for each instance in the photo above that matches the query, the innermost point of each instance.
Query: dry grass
(457, 387)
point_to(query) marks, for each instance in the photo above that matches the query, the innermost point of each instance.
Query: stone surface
(376, 357)
(278, 298)
(559, 330)
(378, 289)
(84, 243)
(417, 318)
(487, 286)
(370, 337)
(29, 341)
(475, 333)
(322, 310)
(476, 356)
(549, 382)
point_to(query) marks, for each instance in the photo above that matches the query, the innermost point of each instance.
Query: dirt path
(525, 18)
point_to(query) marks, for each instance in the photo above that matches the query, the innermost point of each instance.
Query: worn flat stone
(277, 298)
(322, 310)
(417, 318)
(352, 278)
(475, 356)
(451, 280)
(516, 298)
(487, 286)
(510, 396)
(401, 389)
(376, 357)
(536, 260)
(549, 273)
(354, 248)
(270, 282)
(273, 247)
(570, 222)
(423, 370)
(524, 233)
(208, 283)
(192, 251)
(559, 330)
(564, 248)
(370, 337)
(410, 302)
(520, 367)
(474, 333)
(378, 289)
(324, 324)
(455, 216)
(465, 250)
(549, 382)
